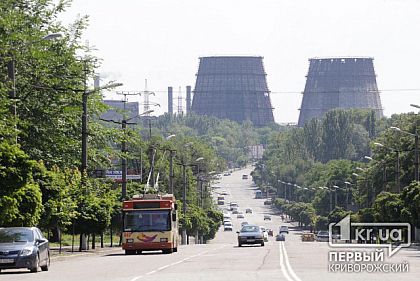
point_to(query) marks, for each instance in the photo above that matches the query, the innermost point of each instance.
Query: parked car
(284, 229)
(250, 234)
(322, 236)
(24, 247)
(240, 215)
(267, 217)
(248, 211)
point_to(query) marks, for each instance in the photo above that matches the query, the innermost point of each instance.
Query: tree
(20, 196)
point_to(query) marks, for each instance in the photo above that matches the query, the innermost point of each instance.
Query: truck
(150, 223)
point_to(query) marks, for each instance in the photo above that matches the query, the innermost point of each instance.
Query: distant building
(121, 109)
(339, 83)
(233, 87)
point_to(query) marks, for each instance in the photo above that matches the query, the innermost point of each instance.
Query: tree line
(346, 162)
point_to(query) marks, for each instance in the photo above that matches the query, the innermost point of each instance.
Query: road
(221, 259)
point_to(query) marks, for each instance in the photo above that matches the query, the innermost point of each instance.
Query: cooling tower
(339, 83)
(234, 88)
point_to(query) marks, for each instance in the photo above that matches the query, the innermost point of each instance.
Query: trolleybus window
(147, 220)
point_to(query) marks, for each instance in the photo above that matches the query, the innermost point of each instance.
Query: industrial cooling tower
(339, 83)
(233, 87)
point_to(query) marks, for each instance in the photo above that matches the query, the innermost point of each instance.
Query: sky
(162, 40)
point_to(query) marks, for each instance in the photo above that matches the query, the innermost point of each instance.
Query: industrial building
(345, 83)
(233, 87)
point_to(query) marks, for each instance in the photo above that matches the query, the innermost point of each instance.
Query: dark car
(280, 237)
(250, 234)
(24, 247)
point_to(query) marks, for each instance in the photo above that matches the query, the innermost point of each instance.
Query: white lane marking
(282, 266)
(175, 263)
(289, 267)
(288, 264)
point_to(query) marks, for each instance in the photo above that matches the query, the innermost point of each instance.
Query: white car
(265, 233)
(228, 226)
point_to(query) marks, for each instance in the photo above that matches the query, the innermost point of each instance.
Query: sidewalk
(67, 253)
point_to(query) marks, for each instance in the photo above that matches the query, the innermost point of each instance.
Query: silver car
(250, 234)
(24, 247)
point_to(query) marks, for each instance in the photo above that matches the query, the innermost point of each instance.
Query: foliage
(20, 195)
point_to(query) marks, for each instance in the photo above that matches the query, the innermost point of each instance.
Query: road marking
(282, 266)
(286, 268)
(175, 263)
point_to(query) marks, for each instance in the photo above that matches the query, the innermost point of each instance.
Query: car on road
(308, 237)
(248, 211)
(267, 202)
(244, 177)
(226, 174)
(235, 210)
(267, 217)
(244, 223)
(280, 237)
(224, 192)
(322, 236)
(265, 233)
(240, 215)
(227, 220)
(228, 226)
(250, 234)
(284, 229)
(24, 247)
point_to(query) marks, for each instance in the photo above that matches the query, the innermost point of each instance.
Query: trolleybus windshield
(147, 220)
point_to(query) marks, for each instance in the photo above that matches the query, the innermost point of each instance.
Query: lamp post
(416, 149)
(124, 123)
(11, 74)
(397, 168)
(335, 195)
(348, 184)
(171, 166)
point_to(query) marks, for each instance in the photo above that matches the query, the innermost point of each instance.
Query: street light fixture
(397, 168)
(416, 149)
(11, 73)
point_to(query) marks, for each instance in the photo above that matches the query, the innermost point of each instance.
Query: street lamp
(85, 95)
(397, 168)
(416, 149)
(171, 166)
(124, 123)
(11, 73)
(348, 184)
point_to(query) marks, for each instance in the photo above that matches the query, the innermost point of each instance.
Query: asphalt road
(221, 259)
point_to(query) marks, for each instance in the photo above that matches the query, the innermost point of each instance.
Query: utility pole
(416, 155)
(171, 170)
(184, 203)
(124, 161)
(84, 127)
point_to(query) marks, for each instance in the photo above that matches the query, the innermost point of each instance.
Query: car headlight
(26, 252)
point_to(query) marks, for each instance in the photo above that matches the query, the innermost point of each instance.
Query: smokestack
(96, 81)
(170, 101)
(188, 99)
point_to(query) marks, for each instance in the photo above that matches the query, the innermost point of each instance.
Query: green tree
(20, 196)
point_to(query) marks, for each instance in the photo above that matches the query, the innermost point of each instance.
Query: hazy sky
(161, 41)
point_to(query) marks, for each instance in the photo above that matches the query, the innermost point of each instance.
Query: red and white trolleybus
(150, 223)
